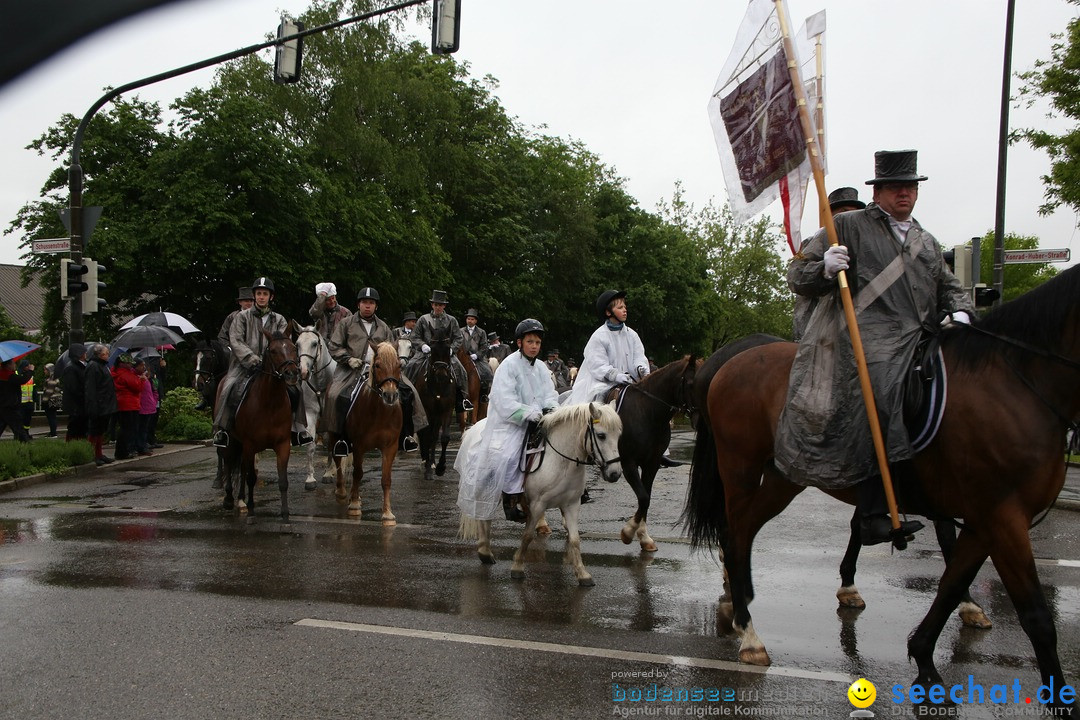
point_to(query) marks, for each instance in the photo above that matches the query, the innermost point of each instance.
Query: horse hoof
(585, 582)
(389, 520)
(310, 484)
(488, 559)
(517, 574)
(973, 617)
(626, 535)
(649, 547)
(227, 504)
(440, 470)
(354, 510)
(850, 598)
(755, 656)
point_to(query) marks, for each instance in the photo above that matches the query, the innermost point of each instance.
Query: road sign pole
(75, 180)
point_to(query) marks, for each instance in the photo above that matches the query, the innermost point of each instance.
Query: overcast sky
(631, 79)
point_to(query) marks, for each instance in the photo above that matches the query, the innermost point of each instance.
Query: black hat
(896, 166)
(493, 336)
(244, 293)
(605, 299)
(471, 312)
(76, 351)
(367, 293)
(410, 315)
(845, 196)
(439, 296)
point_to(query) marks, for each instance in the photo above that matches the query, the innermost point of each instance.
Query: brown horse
(476, 396)
(374, 422)
(1016, 371)
(646, 409)
(264, 420)
(437, 390)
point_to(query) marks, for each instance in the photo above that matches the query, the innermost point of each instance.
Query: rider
(614, 354)
(438, 325)
(209, 392)
(353, 348)
(325, 311)
(475, 342)
(496, 349)
(402, 336)
(521, 393)
(558, 370)
(247, 341)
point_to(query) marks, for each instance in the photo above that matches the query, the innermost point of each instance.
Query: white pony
(316, 371)
(574, 436)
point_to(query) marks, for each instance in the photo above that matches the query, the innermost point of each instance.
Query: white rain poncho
(608, 353)
(489, 465)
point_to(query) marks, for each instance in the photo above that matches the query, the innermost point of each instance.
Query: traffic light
(289, 54)
(985, 296)
(959, 261)
(91, 302)
(445, 26)
(71, 282)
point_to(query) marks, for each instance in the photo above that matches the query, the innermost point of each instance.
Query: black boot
(511, 509)
(875, 523)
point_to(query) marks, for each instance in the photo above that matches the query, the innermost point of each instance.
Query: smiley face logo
(862, 693)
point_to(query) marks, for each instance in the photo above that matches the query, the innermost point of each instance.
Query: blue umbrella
(15, 349)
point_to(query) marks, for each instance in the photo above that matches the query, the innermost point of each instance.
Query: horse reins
(594, 456)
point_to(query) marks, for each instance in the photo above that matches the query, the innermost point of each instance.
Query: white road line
(579, 650)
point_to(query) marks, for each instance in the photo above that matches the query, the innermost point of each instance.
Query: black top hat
(493, 336)
(896, 166)
(845, 196)
(244, 294)
(471, 312)
(408, 316)
(439, 296)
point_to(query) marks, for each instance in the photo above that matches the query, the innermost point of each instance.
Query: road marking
(584, 651)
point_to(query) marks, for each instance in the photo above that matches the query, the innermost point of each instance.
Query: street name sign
(52, 245)
(1037, 256)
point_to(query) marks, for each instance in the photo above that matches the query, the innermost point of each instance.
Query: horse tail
(469, 528)
(705, 515)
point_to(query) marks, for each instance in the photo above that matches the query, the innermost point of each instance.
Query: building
(22, 304)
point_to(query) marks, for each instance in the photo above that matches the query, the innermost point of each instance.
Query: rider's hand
(356, 363)
(623, 379)
(425, 348)
(642, 371)
(473, 356)
(836, 259)
(254, 364)
(961, 316)
(534, 416)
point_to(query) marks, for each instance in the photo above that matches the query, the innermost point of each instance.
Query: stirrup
(466, 405)
(221, 439)
(409, 445)
(302, 438)
(341, 449)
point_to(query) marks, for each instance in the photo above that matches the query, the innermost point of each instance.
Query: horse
(477, 394)
(316, 371)
(1017, 371)
(374, 421)
(704, 463)
(211, 364)
(263, 420)
(574, 436)
(438, 392)
(646, 409)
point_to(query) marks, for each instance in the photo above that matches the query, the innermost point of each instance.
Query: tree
(1058, 79)
(1018, 277)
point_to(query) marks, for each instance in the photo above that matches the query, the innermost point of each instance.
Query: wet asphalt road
(128, 592)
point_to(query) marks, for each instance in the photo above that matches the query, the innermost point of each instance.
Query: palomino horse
(704, 463)
(574, 436)
(263, 420)
(437, 391)
(477, 392)
(316, 371)
(646, 409)
(1016, 371)
(373, 422)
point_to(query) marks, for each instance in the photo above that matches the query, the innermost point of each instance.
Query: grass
(19, 459)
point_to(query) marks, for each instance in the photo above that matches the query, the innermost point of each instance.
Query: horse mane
(581, 415)
(661, 373)
(1039, 317)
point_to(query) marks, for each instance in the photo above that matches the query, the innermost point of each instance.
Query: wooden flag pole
(845, 290)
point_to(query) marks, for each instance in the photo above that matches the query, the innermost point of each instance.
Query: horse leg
(440, 468)
(247, 478)
(339, 480)
(636, 526)
(283, 450)
(310, 482)
(971, 614)
(848, 594)
(219, 477)
(517, 569)
(483, 543)
(573, 545)
(225, 467)
(357, 475)
(542, 527)
(388, 455)
(427, 450)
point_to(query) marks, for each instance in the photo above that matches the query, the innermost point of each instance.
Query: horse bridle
(281, 371)
(595, 455)
(687, 405)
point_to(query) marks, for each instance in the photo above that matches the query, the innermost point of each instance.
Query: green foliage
(18, 459)
(1058, 79)
(1017, 278)
(186, 428)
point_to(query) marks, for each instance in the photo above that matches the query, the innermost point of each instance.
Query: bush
(18, 459)
(186, 428)
(180, 402)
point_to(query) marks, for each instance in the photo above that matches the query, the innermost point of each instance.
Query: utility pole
(1003, 154)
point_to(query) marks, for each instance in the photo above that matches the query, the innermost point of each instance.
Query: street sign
(90, 216)
(52, 245)
(1037, 256)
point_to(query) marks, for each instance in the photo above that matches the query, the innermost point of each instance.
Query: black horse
(438, 393)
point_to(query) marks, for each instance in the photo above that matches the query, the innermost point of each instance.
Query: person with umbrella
(73, 384)
(100, 400)
(11, 382)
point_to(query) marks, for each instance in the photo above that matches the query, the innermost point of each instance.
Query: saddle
(924, 391)
(533, 449)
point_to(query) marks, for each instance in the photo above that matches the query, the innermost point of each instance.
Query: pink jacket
(147, 399)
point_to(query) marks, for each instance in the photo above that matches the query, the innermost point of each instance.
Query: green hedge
(18, 459)
(179, 421)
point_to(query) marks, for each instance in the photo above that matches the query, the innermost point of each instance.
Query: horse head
(281, 359)
(311, 347)
(385, 372)
(595, 429)
(204, 365)
(440, 379)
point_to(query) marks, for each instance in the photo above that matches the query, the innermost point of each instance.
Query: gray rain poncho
(823, 437)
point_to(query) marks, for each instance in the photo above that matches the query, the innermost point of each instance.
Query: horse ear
(594, 411)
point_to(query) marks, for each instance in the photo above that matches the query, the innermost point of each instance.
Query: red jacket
(128, 388)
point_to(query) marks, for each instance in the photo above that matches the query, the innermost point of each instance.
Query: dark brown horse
(646, 409)
(264, 420)
(1017, 371)
(477, 394)
(437, 391)
(704, 463)
(374, 422)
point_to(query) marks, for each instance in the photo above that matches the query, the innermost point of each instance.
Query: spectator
(147, 408)
(73, 386)
(100, 400)
(157, 380)
(51, 397)
(10, 400)
(26, 372)
(128, 388)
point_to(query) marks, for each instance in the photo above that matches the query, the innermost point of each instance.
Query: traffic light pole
(75, 174)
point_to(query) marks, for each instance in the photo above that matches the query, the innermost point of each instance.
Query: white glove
(356, 363)
(623, 379)
(473, 356)
(426, 348)
(836, 259)
(534, 416)
(961, 316)
(641, 371)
